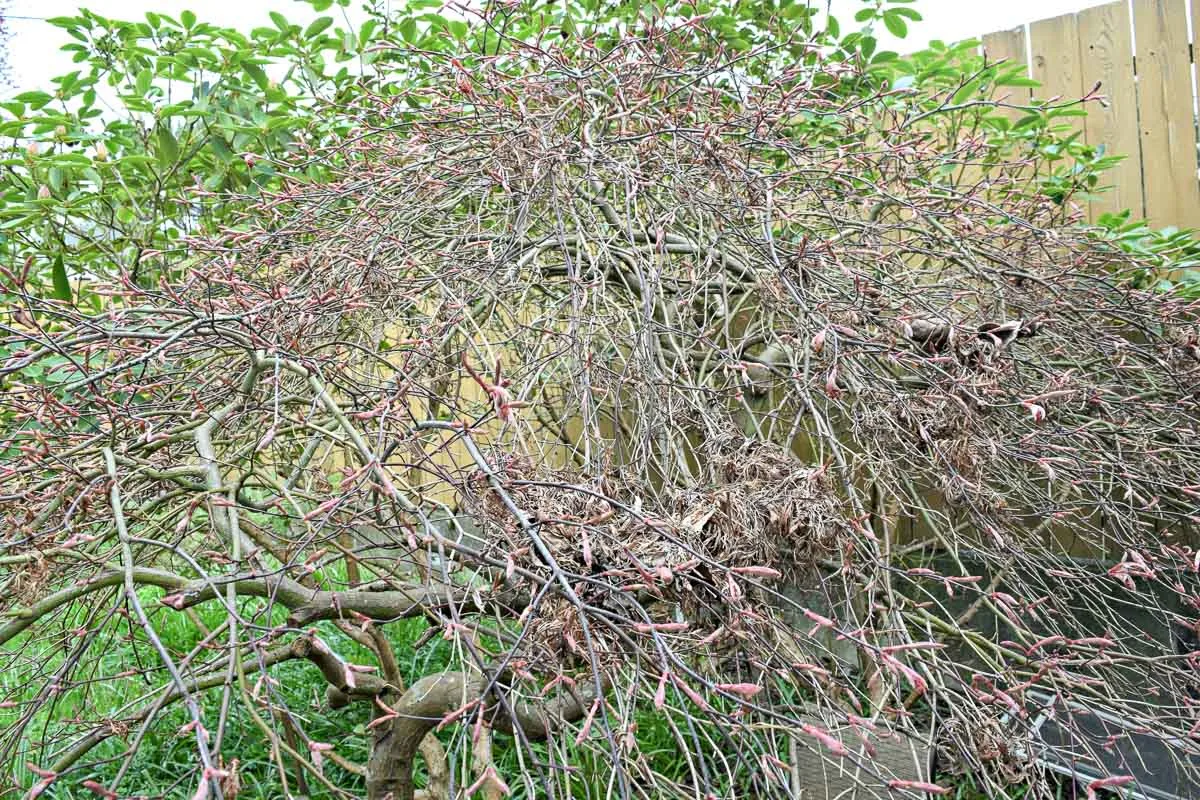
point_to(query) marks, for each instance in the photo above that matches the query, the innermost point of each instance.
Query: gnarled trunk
(423, 707)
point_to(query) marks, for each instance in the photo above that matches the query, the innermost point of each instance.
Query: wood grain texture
(1055, 63)
(820, 777)
(1165, 108)
(1106, 49)
(1010, 46)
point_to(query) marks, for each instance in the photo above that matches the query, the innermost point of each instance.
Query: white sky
(34, 57)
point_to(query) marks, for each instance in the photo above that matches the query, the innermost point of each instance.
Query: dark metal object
(1081, 743)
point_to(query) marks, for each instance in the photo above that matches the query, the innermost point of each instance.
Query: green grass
(164, 757)
(164, 764)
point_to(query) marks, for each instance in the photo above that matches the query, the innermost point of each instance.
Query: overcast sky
(34, 56)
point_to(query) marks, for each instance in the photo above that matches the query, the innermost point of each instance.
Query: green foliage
(1173, 255)
(171, 127)
(196, 113)
(167, 754)
(957, 91)
(193, 112)
(1060, 166)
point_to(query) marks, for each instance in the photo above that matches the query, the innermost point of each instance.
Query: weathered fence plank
(1195, 49)
(1010, 46)
(1140, 53)
(1054, 63)
(1106, 49)
(1165, 109)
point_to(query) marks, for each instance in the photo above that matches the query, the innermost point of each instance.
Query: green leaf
(319, 24)
(142, 83)
(408, 30)
(187, 18)
(168, 148)
(62, 285)
(256, 74)
(968, 89)
(895, 24)
(34, 100)
(1026, 121)
(280, 21)
(220, 148)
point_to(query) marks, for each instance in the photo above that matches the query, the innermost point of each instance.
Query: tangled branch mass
(651, 397)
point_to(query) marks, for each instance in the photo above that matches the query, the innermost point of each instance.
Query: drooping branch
(310, 605)
(212, 679)
(28, 615)
(306, 605)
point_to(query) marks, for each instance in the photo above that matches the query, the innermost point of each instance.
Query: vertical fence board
(1195, 42)
(1106, 48)
(1054, 63)
(1168, 134)
(1010, 46)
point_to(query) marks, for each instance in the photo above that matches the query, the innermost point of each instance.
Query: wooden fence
(1141, 53)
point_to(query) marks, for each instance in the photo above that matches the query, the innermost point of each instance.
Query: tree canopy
(592, 400)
